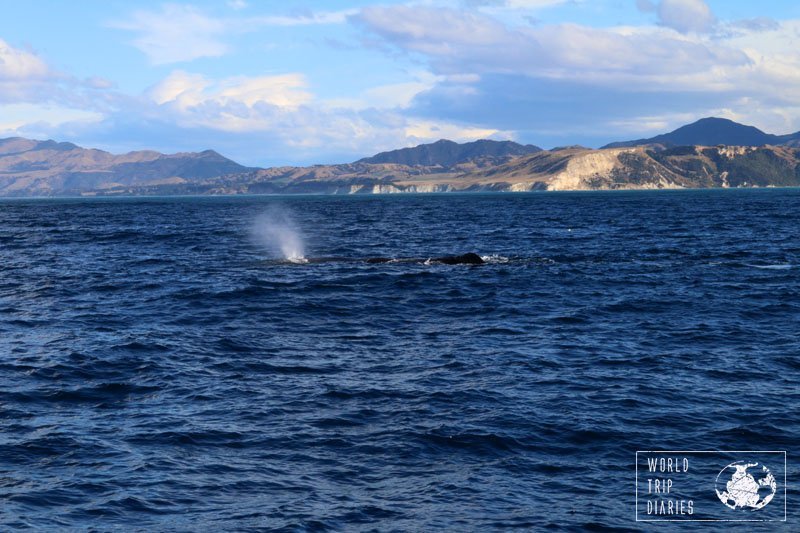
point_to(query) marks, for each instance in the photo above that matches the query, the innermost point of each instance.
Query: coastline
(396, 194)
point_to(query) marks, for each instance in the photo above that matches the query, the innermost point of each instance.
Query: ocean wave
(777, 266)
(495, 259)
(164, 376)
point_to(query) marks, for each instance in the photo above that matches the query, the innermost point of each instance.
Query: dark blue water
(161, 371)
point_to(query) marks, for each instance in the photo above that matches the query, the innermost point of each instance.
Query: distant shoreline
(397, 195)
(705, 155)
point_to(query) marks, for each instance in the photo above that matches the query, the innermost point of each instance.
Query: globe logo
(743, 485)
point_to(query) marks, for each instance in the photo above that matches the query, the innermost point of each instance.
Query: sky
(300, 82)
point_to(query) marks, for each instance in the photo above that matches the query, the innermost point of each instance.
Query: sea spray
(277, 231)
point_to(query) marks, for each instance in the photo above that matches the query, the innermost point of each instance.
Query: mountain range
(712, 132)
(446, 153)
(50, 168)
(711, 152)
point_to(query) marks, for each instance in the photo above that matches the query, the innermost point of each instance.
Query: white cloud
(16, 64)
(517, 4)
(482, 73)
(286, 90)
(301, 19)
(179, 33)
(583, 79)
(653, 124)
(397, 95)
(389, 96)
(281, 112)
(686, 15)
(176, 33)
(459, 42)
(246, 117)
(23, 118)
(25, 77)
(177, 86)
(420, 131)
(231, 104)
(533, 4)
(35, 99)
(645, 6)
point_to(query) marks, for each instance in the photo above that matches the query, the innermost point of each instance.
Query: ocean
(165, 366)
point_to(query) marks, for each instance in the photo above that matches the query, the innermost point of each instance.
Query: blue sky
(292, 82)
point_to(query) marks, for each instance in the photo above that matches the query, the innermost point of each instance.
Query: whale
(464, 259)
(470, 258)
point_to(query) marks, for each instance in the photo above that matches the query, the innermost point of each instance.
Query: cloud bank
(470, 71)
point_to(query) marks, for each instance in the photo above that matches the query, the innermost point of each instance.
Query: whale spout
(466, 259)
